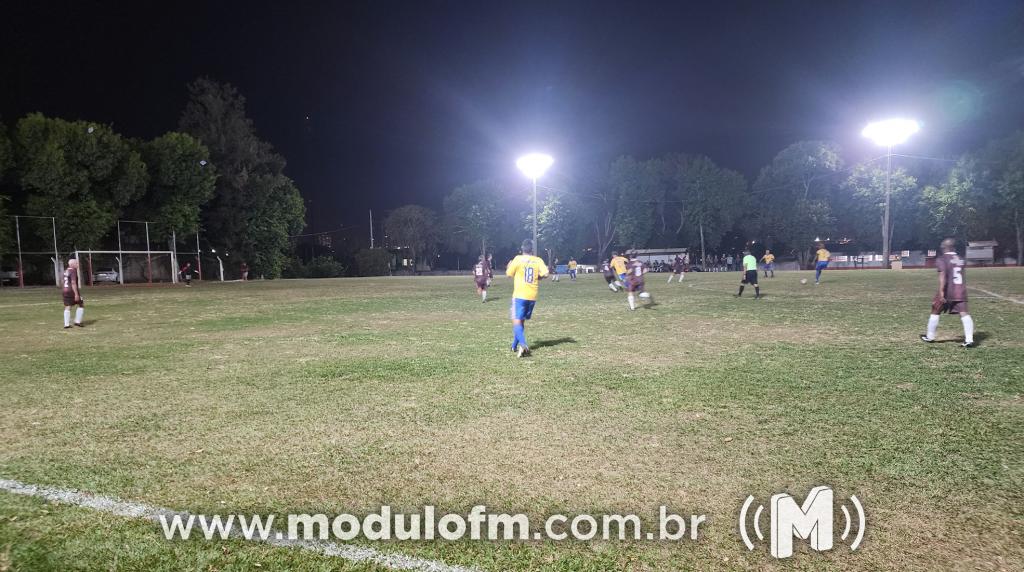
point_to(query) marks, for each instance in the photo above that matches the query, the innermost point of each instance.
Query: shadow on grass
(551, 343)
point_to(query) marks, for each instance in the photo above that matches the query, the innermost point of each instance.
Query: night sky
(377, 104)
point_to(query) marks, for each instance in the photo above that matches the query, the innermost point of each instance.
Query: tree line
(213, 174)
(808, 191)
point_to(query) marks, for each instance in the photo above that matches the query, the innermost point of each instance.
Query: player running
(72, 295)
(527, 271)
(769, 263)
(635, 283)
(619, 264)
(678, 269)
(554, 270)
(186, 274)
(572, 268)
(609, 275)
(749, 275)
(821, 256)
(952, 295)
(481, 275)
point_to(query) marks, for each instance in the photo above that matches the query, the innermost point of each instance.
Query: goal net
(103, 267)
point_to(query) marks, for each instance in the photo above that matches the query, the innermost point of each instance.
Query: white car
(8, 276)
(110, 275)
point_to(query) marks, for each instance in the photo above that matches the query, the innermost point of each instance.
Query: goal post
(98, 267)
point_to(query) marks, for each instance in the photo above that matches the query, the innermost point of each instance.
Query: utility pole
(371, 229)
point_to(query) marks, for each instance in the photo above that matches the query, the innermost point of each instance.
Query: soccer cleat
(67, 327)
(926, 339)
(967, 345)
(79, 324)
(523, 351)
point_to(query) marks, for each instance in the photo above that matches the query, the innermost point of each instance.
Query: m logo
(812, 521)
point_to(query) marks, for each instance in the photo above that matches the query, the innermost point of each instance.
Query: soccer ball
(803, 281)
(645, 294)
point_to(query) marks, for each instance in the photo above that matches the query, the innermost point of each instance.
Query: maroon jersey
(70, 281)
(677, 265)
(635, 275)
(956, 282)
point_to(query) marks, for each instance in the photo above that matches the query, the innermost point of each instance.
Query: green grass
(341, 395)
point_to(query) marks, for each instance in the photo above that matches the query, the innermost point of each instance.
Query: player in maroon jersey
(952, 295)
(482, 276)
(72, 295)
(678, 269)
(635, 282)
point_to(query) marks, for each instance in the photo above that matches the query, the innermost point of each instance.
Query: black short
(69, 300)
(750, 277)
(609, 278)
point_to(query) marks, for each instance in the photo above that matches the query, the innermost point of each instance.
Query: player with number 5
(526, 270)
(952, 295)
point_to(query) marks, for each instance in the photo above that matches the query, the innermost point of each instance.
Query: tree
(181, 181)
(82, 173)
(559, 230)
(1007, 156)
(413, 227)
(255, 207)
(865, 188)
(636, 188)
(959, 205)
(474, 213)
(373, 262)
(6, 163)
(710, 199)
(793, 195)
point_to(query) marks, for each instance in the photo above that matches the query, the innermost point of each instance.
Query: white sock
(67, 317)
(78, 314)
(968, 322)
(632, 302)
(933, 324)
(669, 279)
(484, 295)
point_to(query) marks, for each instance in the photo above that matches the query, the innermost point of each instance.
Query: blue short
(821, 265)
(522, 309)
(622, 277)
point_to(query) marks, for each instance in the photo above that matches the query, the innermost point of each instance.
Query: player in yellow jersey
(769, 263)
(821, 258)
(619, 264)
(526, 271)
(572, 268)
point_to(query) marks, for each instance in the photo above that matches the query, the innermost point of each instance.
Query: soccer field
(332, 396)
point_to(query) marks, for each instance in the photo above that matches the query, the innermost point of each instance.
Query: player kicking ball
(526, 271)
(619, 264)
(952, 295)
(821, 262)
(749, 275)
(72, 295)
(635, 284)
(481, 275)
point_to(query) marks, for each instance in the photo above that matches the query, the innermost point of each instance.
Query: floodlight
(891, 131)
(534, 165)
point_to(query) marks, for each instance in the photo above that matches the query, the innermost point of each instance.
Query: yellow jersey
(619, 264)
(526, 271)
(768, 258)
(823, 255)
(572, 265)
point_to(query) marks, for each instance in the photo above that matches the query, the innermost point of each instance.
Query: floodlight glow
(534, 165)
(891, 131)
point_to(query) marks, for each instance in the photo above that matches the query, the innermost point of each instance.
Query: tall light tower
(889, 133)
(534, 166)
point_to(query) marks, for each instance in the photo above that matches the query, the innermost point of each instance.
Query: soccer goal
(98, 267)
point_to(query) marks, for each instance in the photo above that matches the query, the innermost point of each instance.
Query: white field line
(1000, 296)
(355, 554)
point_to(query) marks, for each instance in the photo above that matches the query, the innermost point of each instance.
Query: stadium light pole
(888, 134)
(534, 166)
